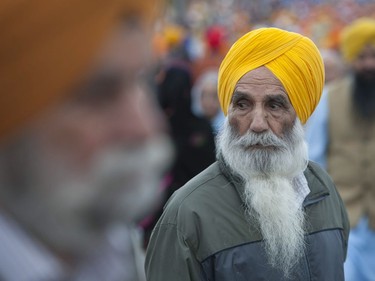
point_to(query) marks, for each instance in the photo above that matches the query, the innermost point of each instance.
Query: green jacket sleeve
(169, 256)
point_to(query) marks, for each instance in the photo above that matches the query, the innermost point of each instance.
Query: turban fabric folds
(355, 36)
(291, 57)
(47, 46)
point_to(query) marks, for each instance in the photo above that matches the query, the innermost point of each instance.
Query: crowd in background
(189, 44)
(321, 21)
(87, 154)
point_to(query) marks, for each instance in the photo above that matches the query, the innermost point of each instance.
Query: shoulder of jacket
(316, 174)
(194, 195)
(193, 186)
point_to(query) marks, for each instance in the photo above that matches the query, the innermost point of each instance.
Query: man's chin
(259, 147)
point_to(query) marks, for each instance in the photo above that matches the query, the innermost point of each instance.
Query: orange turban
(355, 36)
(291, 57)
(46, 46)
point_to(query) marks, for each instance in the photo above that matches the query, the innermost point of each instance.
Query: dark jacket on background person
(192, 136)
(204, 234)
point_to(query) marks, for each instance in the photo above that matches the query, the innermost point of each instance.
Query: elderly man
(82, 147)
(350, 144)
(262, 211)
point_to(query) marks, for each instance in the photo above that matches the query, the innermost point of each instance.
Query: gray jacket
(203, 233)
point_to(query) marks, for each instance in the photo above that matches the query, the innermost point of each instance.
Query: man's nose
(259, 122)
(138, 118)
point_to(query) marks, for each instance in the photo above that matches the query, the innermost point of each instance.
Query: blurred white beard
(270, 197)
(123, 183)
(71, 211)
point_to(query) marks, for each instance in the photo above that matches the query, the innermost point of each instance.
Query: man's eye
(241, 104)
(275, 106)
(101, 90)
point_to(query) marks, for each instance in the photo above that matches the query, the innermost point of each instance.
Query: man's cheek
(235, 125)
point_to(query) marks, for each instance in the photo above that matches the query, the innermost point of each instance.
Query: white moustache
(267, 139)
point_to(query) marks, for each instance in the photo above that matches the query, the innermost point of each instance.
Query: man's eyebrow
(239, 95)
(281, 98)
(277, 98)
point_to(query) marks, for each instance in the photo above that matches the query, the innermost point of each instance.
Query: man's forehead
(258, 75)
(260, 78)
(125, 50)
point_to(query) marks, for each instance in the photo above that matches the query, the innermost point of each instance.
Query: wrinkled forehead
(259, 74)
(260, 78)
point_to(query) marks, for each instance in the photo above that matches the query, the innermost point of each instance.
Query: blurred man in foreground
(262, 211)
(82, 148)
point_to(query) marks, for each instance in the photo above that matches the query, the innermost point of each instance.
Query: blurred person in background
(82, 141)
(205, 102)
(175, 36)
(317, 126)
(351, 144)
(262, 211)
(192, 135)
(215, 45)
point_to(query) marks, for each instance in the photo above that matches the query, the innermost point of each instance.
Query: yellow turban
(47, 46)
(291, 57)
(355, 36)
(173, 35)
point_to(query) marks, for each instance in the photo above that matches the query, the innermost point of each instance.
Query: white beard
(270, 197)
(71, 211)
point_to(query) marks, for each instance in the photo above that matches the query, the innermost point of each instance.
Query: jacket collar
(318, 188)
